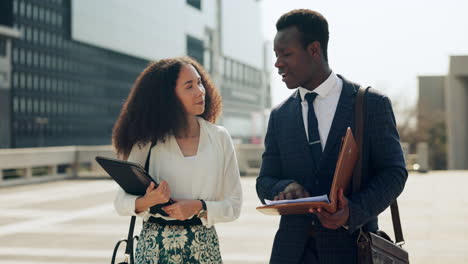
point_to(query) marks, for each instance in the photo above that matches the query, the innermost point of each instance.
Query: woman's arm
(126, 204)
(183, 209)
(227, 209)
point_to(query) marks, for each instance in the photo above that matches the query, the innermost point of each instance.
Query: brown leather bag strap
(357, 174)
(358, 135)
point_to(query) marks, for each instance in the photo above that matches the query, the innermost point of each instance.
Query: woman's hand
(183, 208)
(153, 196)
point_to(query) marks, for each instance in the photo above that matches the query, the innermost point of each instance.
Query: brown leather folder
(341, 179)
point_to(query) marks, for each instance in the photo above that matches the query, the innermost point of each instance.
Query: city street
(74, 222)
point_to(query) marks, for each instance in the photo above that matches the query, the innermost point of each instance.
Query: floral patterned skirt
(164, 244)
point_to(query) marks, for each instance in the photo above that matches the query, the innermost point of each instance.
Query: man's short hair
(312, 25)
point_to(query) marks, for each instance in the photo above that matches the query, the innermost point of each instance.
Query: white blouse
(212, 174)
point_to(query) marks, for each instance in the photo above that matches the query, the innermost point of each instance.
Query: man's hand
(337, 219)
(182, 209)
(292, 191)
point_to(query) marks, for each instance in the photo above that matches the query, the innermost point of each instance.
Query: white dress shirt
(212, 174)
(324, 105)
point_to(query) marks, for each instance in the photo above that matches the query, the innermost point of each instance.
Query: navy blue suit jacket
(287, 158)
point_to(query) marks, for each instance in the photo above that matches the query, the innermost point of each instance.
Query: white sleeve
(227, 209)
(124, 204)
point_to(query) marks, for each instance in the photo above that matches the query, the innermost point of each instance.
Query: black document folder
(132, 177)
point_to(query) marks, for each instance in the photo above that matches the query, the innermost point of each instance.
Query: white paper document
(322, 198)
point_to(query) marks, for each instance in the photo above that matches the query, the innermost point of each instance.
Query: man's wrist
(346, 224)
(280, 186)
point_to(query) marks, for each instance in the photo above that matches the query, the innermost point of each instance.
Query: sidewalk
(74, 222)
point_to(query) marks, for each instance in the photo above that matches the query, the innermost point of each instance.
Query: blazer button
(313, 222)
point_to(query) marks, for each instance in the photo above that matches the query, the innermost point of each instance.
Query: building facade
(443, 100)
(456, 101)
(77, 59)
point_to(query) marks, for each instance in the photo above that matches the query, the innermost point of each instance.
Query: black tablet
(131, 176)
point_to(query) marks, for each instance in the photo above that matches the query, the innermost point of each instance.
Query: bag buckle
(400, 244)
(362, 235)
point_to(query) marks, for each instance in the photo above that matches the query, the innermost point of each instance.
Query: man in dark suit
(302, 145)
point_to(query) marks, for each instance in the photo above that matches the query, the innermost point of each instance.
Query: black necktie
(312, 128)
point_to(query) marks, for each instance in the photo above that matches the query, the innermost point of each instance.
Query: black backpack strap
(129, 248)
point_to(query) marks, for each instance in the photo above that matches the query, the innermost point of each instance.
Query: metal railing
(34, 165)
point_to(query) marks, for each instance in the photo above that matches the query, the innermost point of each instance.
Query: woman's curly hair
(152, 110)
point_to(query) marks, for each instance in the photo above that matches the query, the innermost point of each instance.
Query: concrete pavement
(74, 222)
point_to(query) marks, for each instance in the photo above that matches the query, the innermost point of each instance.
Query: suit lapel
(343, 117)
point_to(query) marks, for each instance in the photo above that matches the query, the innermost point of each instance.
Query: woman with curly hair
(167, 122)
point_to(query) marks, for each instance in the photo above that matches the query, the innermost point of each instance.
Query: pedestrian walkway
(74, 222)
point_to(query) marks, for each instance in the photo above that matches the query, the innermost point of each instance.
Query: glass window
(16, 104)
(21, 8)
(36, 59)
(23, 105)
(48, 106)
(28, 10)
(36, 82)
(194, 3)
(35, 12)
(15, 55)
(59, 20)
(22, 56)
(49, 39)
(195, 48)
(56, 86)
(15, 79)
(42, 106)
(22, 80)
(29, 105)
(42, 37)
(48, 85)
(47, 16)
(53, 18)
(56, 40)
(29, 58)
(39, 83)
(31, 85)
(2, 47)
(35, 36)
(26, 33)
(15, 7)
(35, 103)
(45, 61)
(41, 60)
(41, 14)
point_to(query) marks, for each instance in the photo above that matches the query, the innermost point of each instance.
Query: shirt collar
(323, 89)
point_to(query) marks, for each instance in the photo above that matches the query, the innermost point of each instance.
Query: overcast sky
(386, 44)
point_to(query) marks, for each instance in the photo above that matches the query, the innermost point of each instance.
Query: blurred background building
(443, 115)
(67, 65)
